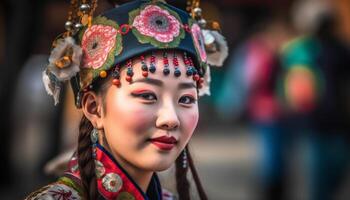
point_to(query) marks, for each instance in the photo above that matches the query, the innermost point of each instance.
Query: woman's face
(148, 122)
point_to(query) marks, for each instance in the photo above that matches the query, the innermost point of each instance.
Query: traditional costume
(94, 48)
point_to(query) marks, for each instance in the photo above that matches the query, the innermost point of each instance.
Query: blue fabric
(131, 46)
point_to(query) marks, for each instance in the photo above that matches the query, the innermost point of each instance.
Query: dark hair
(87, 164)
(85, 160)
(182, 184)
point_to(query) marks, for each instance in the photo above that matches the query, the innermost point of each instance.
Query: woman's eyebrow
(152, 81)
(188, 85)
(159, 83)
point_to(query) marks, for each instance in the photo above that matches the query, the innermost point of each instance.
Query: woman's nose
(167, 117)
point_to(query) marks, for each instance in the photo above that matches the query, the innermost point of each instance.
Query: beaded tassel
(189, 67)
(195, 72)
(144, 67)
(184, 159)
(94, 141)
(166, 69)
(116, 76)
(177, 71)
(129, 72)
(152, 67)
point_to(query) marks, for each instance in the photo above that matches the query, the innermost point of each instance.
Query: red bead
(145, 73)
(196, 77)
(116, 82)
(128, 78)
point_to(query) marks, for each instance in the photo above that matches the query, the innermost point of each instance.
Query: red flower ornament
(97, 43)
(156, 25)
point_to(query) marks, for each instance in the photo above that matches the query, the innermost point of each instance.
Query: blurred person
(249, 91)
(137, 87)
(314, 90)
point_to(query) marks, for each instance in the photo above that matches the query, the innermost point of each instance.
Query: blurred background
(277, 125)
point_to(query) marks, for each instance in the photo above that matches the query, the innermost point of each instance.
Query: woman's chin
(157, 164)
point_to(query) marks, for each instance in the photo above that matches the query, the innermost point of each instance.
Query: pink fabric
(97, 42)
(199, 41)
(144, 24)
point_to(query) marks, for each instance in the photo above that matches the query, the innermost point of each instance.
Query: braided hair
(182, 183)
(86, 161)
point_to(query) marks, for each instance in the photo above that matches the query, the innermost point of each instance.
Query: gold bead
(85, 19)
(103, 74)
(65, 61)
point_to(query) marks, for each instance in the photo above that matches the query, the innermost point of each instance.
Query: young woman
(137, 73)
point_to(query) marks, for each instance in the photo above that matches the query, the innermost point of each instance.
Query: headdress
(93, 47)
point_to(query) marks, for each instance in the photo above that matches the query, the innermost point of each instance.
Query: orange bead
(103, 74)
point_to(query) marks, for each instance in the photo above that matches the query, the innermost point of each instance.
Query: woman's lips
(164, 143)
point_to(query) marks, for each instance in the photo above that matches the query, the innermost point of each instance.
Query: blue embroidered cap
(102, 44)
(133, 29)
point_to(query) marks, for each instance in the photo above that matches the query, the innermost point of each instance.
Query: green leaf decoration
(89, 75)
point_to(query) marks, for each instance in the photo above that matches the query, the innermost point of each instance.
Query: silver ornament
(99, 168)
(197, 11)
(202, 23)
(94, 136)
(68, 25)
(78, 26)
(84, 7)
(112, 182)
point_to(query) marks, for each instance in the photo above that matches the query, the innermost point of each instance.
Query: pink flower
(97, 42)
(158, 23)
(199, 41)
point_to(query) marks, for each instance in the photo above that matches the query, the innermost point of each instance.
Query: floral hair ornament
(215, 43)
(210, 43)
(66, 55)
(94, 47)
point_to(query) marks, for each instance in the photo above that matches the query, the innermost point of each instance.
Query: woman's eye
(145, 96)
(187, 100)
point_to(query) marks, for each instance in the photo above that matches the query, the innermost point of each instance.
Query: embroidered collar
(113, 181)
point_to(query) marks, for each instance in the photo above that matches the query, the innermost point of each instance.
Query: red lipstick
(164, 142)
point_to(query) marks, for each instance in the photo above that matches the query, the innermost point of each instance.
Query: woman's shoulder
(64, 188)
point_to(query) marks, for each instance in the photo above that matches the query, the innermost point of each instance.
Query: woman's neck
(141, 177)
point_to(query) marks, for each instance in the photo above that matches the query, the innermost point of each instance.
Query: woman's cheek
(137, 116)
(190, 121)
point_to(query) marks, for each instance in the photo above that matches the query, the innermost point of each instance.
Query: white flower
(65, 58)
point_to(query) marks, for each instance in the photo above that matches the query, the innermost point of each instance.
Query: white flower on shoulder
(65, 59)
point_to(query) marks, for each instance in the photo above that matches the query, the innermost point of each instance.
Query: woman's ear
(92, 109)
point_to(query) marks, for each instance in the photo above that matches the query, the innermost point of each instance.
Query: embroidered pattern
(198, 41)
(157, 25)
(100, 43)
(97, 42)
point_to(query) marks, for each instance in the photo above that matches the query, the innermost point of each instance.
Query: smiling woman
(137, 77)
